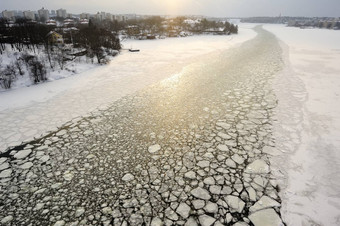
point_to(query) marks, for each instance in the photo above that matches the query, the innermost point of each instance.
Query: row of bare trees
(24, 62)
(35, 54)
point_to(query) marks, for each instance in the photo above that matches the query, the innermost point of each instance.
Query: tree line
(156, 25)
(27, 35)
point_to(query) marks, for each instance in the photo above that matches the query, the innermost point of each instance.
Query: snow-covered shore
(31, 111)
(308, 125)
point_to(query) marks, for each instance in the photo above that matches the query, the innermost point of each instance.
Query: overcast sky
(218, 8)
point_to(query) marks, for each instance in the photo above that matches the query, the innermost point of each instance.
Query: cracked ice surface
(175, 153)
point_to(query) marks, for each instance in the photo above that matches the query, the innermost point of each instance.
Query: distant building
(120, 18)
(102, 15)
(85, 16)
(10, 15)
(109, 16)
(130, 17)
(53, 13)
(51, 22)
(84, 22)
(98, 16)
(69, 23)
(43, 14)
(29, 15)
(61, 13)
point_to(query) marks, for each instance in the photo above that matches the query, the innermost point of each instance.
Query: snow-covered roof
(53, 32)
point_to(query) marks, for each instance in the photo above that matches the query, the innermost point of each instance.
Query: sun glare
(174, 6)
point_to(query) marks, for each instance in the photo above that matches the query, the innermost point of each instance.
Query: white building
(130, 16)
(8, 15)
(43, 13)
(29, 15)
(120, 18)
(85, 16)
(98, 16)
(61, 13)
(102, 15)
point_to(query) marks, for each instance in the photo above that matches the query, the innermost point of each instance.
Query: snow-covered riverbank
(308, 126)
(31, 111)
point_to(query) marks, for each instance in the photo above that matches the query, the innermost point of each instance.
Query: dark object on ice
(81, 53)
(150, 37)
(134, 50)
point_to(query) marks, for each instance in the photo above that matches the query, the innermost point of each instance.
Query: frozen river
(209, 130)
(191, 149)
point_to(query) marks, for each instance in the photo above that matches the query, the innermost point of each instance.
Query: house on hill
(54, 38)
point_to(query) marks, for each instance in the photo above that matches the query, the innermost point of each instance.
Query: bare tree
(7, 76)
(19, 64)
(60, 57)
(37, 71)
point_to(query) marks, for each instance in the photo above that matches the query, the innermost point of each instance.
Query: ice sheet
(308, 126)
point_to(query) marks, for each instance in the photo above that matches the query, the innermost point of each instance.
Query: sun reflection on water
(173, 80)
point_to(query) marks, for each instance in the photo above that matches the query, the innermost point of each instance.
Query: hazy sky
(220, 8)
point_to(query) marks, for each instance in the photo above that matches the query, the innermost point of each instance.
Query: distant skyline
(216, 8)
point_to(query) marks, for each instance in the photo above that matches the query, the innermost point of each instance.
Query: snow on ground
(9, 56)
(308, 126)
(31, 111)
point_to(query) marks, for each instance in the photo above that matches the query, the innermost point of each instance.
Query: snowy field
(32, 111)
(71, 68)
(308, 126)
